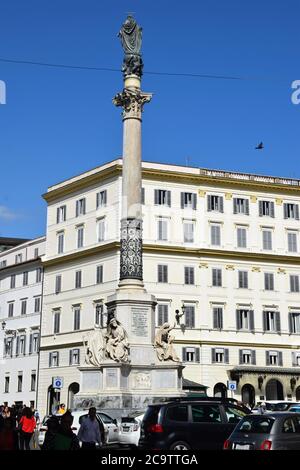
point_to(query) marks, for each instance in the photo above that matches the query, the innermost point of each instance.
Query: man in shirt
(89, 432)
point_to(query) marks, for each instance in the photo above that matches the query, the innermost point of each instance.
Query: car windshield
(127, 420)
(281, 406)
(261, 425)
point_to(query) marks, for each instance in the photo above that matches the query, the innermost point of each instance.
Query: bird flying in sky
(260, 146)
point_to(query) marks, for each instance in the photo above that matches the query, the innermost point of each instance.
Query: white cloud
(7, 214)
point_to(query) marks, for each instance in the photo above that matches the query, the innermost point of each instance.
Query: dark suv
(190, 423)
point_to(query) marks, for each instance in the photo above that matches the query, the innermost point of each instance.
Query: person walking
(89, 431)
(62, 438)
(27, 426)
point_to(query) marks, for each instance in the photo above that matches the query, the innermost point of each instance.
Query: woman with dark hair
(27, 425)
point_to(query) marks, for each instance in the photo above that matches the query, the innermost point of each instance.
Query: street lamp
(3, 324)
(179, 315)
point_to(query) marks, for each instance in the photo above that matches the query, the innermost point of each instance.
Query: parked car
(184, 423)
(274, 405)
(111, 428)
(130, 429)
(294, 409)
(270, 431)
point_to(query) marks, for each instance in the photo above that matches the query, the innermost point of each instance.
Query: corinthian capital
(132, 102)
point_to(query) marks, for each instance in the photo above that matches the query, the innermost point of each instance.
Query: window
(266, 208)
(188, 232)
(234, 415)
(8, 346)
(34, 343)
(189, 277)
(296, 358)
(177, 413)
(291, 211)
(190, 354)
(220, 355)
(23, 306)
(294, 322)
(215, 203)
(247, 356)
(3, 263)
(206, 413)
(56, 322)
(101, 229)
(244, 319)
(80, 207)
(215, 235)
(77, 279)
(294, 283)
(241, 237)
(267, 239)
(99, 274)
(37, 304)
(189, 315)
(58, 284)
(53, 359)
(6, 384)
(18, 258)
(273, 358)
(243, 279)
(80, 235)
(240, 206)
(60, 242)
(162, 314)
(76, 318)
(162, 273)
(162, 229)
(217, 318)
(11, 309)
(12, 281)
(61, 213)
(25, 278)
(20, 381)
(188, 201)
(292, 242)
(269, 281)
(38, 275)
(74, 357)
(217, 277)
(21, 344)
(101, 199)
(162, 197)
(271, 321)
(99, 315)
(36, 253)
(33, 381)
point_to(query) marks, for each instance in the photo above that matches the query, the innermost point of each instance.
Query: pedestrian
(7, 441)
(27, 426)
(62, 409)
(63, 438)
(262, 408)
(6, 412)
(89, 432)
(52, 429)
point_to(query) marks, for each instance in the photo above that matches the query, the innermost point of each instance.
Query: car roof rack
(169, 399)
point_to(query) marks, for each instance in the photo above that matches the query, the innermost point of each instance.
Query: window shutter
(83, 208)
(50, 359)
(296, 212)
(251, 313)
(24, 350)
(241, 356)
(247, 206)
(221, 204)
(219, 272)
(197, 354)
(280, 363)
(221, 318)
(97, 200)
(272, 212)
(234, 205)
(183, 354)
(265, 321)
(294, 359)
(143, 196)
(215, 318)
(70, 357)
(213, 355)
(169, 198)
(57, 358)
(226, 355)
(77, 208)
(194, 201)
(160, 315)
(267, 358)
(4, 347)
(159, 273)
(105, 197)
(30, 343)
(18, 346)
(182, 200)
(278, 322)
(238, 320)
(192, 276)
(260, 208)
(208, 203)
(291, 329)
(165, 273)
(253, 357)
(57, 215)
(285, 211)
(156, 196)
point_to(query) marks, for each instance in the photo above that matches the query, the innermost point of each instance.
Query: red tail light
(155, 428)
(266, 445)
(226, 444)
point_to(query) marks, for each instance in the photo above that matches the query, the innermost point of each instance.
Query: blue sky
(59, 122)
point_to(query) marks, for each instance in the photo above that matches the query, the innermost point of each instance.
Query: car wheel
(179, 445)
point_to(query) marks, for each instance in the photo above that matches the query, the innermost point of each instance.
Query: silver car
(269, 431)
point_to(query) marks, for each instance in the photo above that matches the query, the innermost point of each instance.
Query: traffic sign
(231, 385)
(57, 382)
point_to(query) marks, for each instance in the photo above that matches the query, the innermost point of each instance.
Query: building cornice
(237, 343)
(15, 266)
(81, 254)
